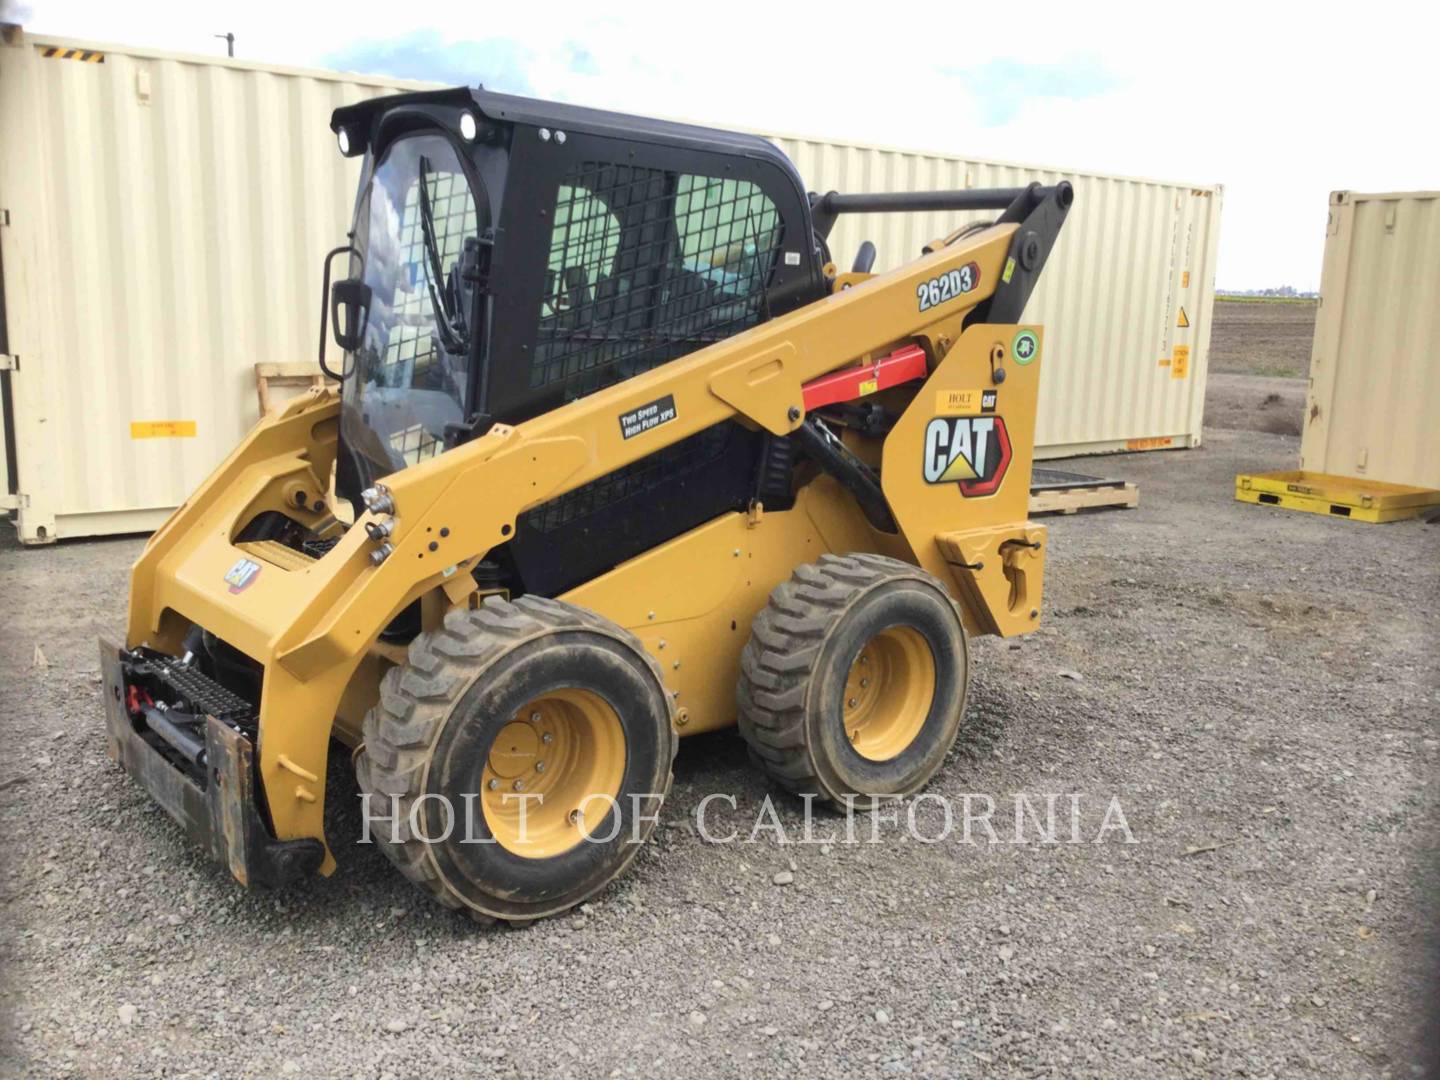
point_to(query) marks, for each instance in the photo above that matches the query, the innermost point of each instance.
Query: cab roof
(509, 108)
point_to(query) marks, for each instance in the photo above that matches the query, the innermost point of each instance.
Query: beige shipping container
(162, 224)
(1126, 297)
(1374, 372)
(163, 218)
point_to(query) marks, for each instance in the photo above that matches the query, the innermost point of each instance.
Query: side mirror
(351, 298)
(349, 310)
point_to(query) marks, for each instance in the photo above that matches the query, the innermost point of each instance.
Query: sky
(1279, 103)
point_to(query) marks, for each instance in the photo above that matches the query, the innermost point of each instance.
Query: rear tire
(854, 680)
(535, 704)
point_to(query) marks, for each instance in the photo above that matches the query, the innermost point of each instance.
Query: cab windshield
(417, 235)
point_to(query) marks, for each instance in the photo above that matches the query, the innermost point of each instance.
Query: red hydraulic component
(901, 366)
(135, 699)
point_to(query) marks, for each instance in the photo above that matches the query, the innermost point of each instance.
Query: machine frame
(314, 625)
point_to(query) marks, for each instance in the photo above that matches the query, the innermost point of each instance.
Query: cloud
(498, 63)
(14, 13)
(580, 60)
(1002, 85)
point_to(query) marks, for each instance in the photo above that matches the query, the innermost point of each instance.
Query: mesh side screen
(679, 458)
(645, 266)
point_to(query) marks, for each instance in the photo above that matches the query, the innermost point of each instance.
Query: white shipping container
(1374, 376)
(163, 218)
(1126, 297)
(166, 218)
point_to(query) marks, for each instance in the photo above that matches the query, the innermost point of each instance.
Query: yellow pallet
(1335, 496)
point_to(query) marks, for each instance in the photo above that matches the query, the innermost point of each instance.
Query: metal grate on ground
(1355, 499)
(1054, 491)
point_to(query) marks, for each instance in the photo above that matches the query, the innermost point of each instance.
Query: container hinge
(9, 362)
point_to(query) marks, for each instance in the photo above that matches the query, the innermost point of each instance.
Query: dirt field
(1263, 338)
(1259, 366)
(1258, 689)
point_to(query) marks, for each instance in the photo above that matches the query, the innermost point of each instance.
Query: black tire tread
(776, 663)
(417, 697)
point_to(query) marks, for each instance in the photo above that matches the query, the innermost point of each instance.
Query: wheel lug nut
(853, 702)
(864, 683)
(534, 717)
(575, 816)
(547, 738)
(539, 766)
(519, 785)
(494, 784)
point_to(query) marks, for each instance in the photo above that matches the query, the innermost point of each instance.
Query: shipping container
(1374, 372)
(163, 218)
(164, 221)
(1126, 298)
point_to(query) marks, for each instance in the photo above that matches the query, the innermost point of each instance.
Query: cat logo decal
(972, 451)
(242, 575)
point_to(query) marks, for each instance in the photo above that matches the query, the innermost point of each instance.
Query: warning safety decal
(1180, 362)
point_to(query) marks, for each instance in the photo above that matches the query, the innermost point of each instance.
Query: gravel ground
(1255, 403)
(1257, 687)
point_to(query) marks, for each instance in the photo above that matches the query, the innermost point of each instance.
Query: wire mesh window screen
(647, 265)
(409, 359)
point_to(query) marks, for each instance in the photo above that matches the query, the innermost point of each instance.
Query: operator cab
(509, 255)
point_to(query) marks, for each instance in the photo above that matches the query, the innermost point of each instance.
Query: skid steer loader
(616, 456)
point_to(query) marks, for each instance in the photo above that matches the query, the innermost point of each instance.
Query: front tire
(854, 680)
(532, 744)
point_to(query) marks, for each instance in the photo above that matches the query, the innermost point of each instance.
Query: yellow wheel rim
(888, 692)
(553, 773)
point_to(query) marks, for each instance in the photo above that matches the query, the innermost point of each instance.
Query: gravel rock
(1295, 727)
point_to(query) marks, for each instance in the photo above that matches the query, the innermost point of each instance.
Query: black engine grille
(181, 685)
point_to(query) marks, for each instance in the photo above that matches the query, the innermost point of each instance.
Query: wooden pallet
(1054, 492)
(293, 374)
